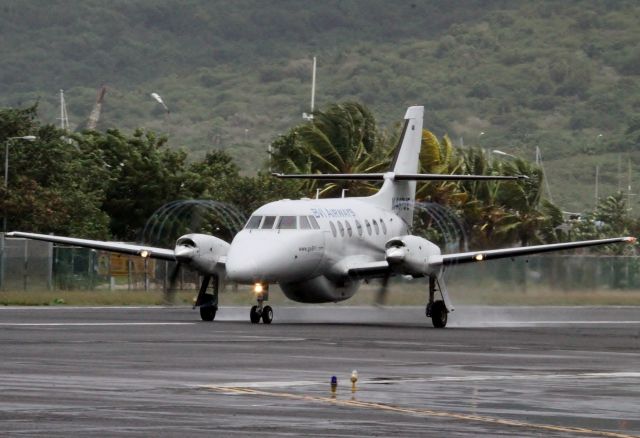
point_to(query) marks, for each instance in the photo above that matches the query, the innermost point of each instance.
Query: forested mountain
(507, 75)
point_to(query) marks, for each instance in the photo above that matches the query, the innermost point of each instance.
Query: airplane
(320, 250)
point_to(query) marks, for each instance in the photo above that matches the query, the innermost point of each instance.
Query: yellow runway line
(418, 412)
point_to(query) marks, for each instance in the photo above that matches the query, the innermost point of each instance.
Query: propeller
(183, 254)
(395, 254)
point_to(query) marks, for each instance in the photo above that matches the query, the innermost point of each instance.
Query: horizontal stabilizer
(398, 177)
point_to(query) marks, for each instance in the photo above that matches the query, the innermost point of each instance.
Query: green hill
(507, 75)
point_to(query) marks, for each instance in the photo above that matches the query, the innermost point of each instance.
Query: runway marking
(479, 378)
(419, 412)
(74, 324)
(508, 323)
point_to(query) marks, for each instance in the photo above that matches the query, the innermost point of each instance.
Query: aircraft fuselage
(306, 246)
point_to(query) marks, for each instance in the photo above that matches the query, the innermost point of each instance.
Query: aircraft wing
(124, 248)
(478, 256)
(370, 270)
(381, 268)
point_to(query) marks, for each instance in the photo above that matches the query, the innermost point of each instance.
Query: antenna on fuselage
(317, 193)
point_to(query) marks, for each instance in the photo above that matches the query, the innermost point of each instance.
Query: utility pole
(309, 116)
(597, 178)
(64, 117)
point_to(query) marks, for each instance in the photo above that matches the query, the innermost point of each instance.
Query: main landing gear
(438, 310)
(208, 302)
(259, 311)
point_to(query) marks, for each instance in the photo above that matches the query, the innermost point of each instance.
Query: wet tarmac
(495, 371)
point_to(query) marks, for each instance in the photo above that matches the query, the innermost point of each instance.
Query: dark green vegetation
(508, 75)
(100, 185)
(109, 184)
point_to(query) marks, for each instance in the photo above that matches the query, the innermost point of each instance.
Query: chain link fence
(35, 265)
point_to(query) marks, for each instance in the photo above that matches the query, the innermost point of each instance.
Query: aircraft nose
(270, 257)
(241, 268)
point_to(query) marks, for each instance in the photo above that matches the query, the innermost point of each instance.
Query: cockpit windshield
(253, 223)
(282, 223)
(268, 222)
(286, 223)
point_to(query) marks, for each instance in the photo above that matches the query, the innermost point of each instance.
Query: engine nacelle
(201, 252)
(413, 255)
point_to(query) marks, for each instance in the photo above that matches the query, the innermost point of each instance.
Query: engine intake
(413, 255)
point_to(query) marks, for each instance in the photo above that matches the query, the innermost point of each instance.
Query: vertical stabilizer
(399, 196)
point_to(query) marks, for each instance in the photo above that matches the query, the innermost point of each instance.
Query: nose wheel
(265, 314)
(260, 312)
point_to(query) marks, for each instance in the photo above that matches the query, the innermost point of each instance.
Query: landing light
(144, 253)
(479, 257)
(258, 288)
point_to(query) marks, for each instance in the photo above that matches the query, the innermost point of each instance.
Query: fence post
(50, 266)
(26, 263)
(3, 257)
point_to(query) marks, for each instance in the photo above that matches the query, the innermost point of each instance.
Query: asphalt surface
(532, 371)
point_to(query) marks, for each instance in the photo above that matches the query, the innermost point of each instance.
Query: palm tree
(341, 139)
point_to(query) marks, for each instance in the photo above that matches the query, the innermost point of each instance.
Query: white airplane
(320, 250)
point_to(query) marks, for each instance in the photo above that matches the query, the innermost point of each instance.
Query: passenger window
(349, 230)
(368, 225)
(359, 227)
(384, 227)
(267, 224)
(304, 223)
(286, 223)
(253, 223)
(376, 227)
(333, 229)
(314, 223)
(341, 228)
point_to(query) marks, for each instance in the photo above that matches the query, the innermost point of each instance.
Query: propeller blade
(381, 297)
(170, 291)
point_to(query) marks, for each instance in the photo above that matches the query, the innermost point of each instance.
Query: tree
(53, 186)
(341, 139)
(143, 174)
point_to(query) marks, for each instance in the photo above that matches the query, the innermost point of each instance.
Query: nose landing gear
(259, 311)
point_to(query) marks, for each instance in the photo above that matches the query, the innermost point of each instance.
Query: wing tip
(629, 239)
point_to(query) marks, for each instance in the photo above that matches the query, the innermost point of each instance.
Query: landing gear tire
(254, 315)
(267, 315)
(439, 314)
(208, 313)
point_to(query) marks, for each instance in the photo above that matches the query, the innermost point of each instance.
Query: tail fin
(400, 195)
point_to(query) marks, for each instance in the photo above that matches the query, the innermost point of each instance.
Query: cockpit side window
(333, 229)
(376, 227)
(341, 228)
(314, 223)
(304, 223)
(384, 227)
(359, 227)
(286, 223)
(267, 224)
(349, 230)
(253, 223)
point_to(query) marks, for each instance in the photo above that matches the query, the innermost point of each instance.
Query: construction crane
(94, 117)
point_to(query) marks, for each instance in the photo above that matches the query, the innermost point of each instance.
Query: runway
(496, 371)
